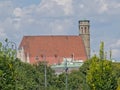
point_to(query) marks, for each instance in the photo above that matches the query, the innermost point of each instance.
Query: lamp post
(13, 47)
(45, 71)
(66, 69)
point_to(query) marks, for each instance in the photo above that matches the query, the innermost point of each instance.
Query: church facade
(53, 49)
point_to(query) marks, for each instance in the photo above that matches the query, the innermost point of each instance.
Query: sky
(20, 18)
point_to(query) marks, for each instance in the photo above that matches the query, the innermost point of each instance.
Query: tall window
(81, 29)
(85, 29)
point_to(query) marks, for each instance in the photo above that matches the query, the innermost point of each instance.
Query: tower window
(85, 29)
(81, 28)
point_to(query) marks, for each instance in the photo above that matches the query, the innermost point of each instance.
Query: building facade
(53, 49)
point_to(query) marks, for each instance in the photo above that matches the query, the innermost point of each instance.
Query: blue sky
(60, 17)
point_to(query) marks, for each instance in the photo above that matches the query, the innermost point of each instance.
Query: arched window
(85, 29)
(81, 28)
(55, 55)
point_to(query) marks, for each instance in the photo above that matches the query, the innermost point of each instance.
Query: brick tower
(84, 32)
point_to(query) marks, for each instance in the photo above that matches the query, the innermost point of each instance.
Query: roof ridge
(53, 36)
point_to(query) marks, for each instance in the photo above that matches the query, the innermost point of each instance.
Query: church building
(53, 49)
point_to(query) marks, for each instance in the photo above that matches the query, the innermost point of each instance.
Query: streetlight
(45, 71)
(13, 46)
(66, 69)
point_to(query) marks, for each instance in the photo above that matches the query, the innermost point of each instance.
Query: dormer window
(37, 58)
(55, 55)
(41, 55)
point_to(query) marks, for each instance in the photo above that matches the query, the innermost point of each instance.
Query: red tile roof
(53, 47)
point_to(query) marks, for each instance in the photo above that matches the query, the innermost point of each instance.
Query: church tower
(84, 32)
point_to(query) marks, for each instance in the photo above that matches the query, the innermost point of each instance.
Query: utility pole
(11, 45)
(66, 69)
(45, 72)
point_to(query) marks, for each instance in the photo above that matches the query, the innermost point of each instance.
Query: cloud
(18, 12)
(81, 6)
(36, 17)
(115, 47)
(116, 44)
(103, 6)
(61, 27)
(55, 8)
(111, 7)
(60, 17)
(66, 6)
(116, 53)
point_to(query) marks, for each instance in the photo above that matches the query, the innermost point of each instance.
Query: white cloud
(115, 44)
(60, 27)
(5, 9)
(60, 17)
(66, 5)
(117, 5)
(63, 2)
(18, 12)
(115, 47)
(112, 7)
(55, 7)
(116, 53)
(82, 5)
(102, 6)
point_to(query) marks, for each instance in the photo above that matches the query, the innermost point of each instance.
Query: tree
(118, 88)
(25, 76)
(97, 73)
(7, 70)
(77, 81)
(116, 71)
(101, 52)
(50, 75)
(100, 75)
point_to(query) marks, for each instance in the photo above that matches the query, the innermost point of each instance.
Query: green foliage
(118, 88)
(7, 71)
(25, 76)
(101, 52)
(40, 67)
(95, 74)
(110, 54)
(100, 75)
(116, 67)
(77, 81)
(16, 75)
(85, 67)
